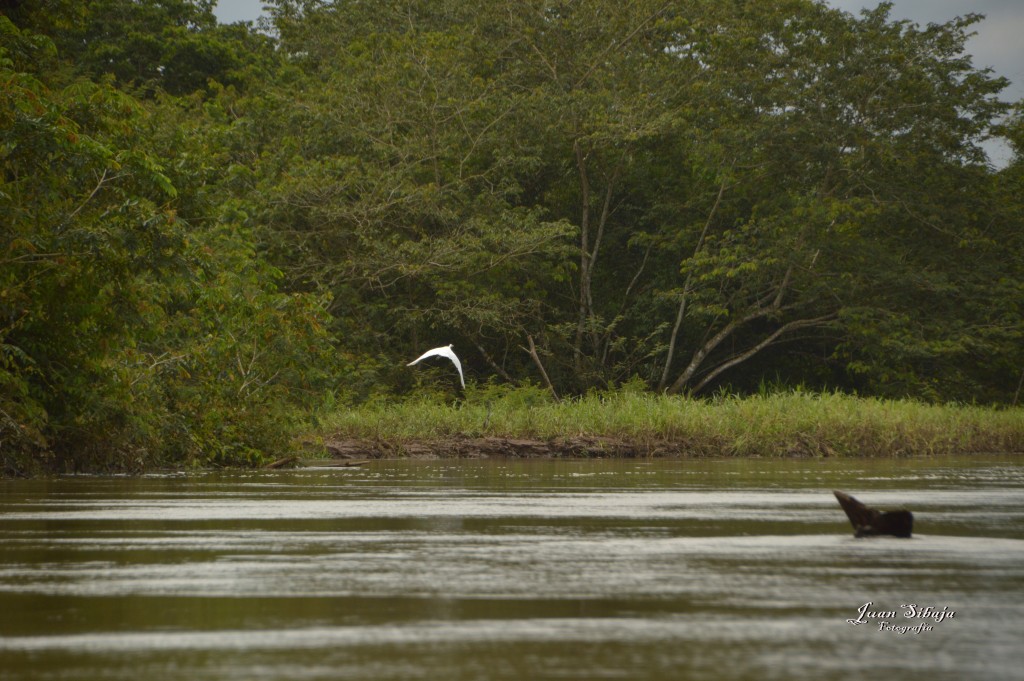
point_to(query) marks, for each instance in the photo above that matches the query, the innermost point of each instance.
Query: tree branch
(540, 366)
(76, 211)
(494, 365)
(704, 350)
(744, 356)
(616, 45)
(601, 223)
(686, 291)
(584, 293)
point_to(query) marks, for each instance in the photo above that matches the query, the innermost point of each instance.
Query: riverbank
(524, 423)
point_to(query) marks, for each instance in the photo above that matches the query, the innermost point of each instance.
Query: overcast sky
(998, 43)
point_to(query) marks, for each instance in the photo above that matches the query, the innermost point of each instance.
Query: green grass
(783, 424)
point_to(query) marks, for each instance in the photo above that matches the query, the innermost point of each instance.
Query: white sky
(998, 42)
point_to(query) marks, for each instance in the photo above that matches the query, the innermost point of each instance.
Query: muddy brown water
(621, 569)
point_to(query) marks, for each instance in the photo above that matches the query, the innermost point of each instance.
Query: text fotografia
(896, 622)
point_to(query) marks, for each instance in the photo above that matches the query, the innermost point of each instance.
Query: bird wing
(450, 354)
(428, 353)
(445, 351)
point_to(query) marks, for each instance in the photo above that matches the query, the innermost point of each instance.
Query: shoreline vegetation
(522, 423)
(223, 244)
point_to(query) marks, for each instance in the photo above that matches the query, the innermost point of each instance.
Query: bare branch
(584, 293)
(76, 211)
(771, 338)
(540, 366)
(686, 290)
(494, 365)
(616, 45)
(704, 350)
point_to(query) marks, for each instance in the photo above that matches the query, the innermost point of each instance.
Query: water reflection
(511, 570)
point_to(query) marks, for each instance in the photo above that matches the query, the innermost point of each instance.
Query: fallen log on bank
(334, 463)
(281, 463)
(462, 447)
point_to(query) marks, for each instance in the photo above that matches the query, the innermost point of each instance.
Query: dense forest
(211, 233)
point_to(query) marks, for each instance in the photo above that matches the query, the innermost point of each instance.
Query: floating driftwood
(868, 522)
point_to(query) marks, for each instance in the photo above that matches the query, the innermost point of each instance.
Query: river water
(452, 570)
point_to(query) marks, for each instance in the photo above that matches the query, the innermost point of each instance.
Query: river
(457, 570)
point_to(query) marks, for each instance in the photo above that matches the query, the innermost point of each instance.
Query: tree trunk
(589, 253)
(540, 367)
(584, 296)
(686, 292)
(762, 309)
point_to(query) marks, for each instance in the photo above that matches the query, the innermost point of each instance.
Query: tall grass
(782, 424)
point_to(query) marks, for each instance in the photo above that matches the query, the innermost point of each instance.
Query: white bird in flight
(445, 351)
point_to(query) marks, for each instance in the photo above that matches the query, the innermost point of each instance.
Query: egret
(445, 351)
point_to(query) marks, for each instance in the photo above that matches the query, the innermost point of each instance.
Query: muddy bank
(465, 447)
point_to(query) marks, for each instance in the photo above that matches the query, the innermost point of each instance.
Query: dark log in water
(281, 463)
(869, 522)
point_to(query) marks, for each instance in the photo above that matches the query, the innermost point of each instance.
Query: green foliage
(150, 45)
(133, 333)
(680, 195)
(396, 189)
(229, 360)
(212, 232)
(84, 220)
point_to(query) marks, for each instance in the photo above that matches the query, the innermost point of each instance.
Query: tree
(807, 108)
(85, 217)
(147, 45)
(396, 188)
(735, 176)
(136, 324)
